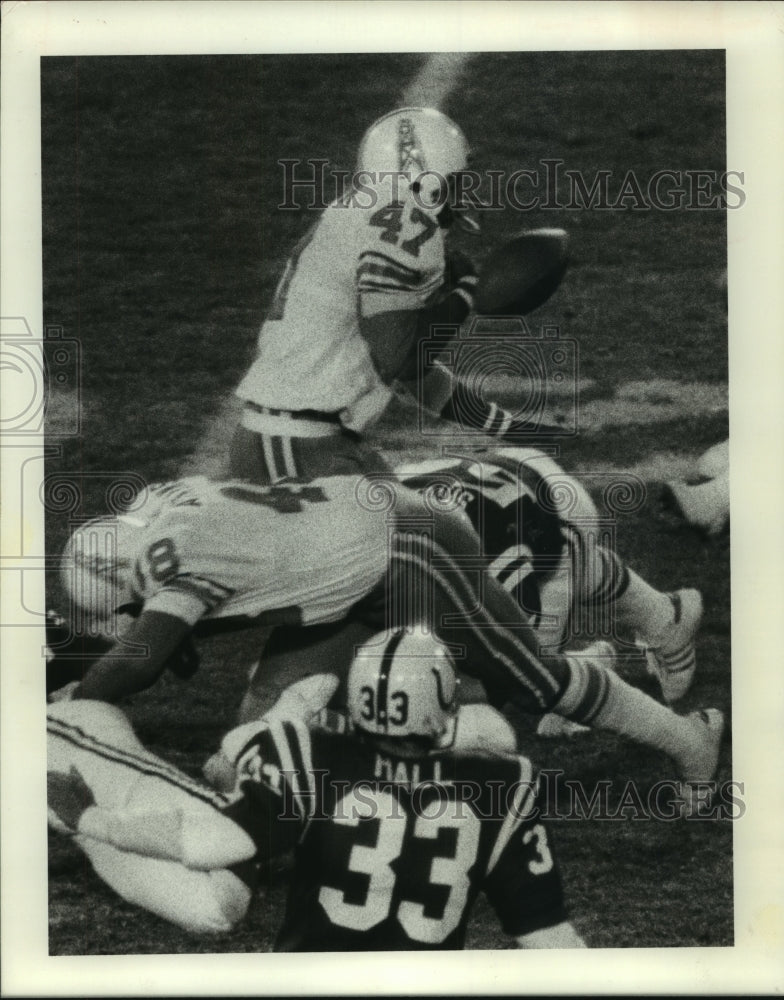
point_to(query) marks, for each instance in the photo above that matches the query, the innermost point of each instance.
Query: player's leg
(248, 457)
(440, 392)
(495, 643)
(271, 447)
(611, 598)
(96, 738)
(584, 589)
(202, 902)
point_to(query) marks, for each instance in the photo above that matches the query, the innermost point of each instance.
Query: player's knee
(567, 496)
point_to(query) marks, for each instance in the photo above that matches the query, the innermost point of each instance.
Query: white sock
(607, 702)
(714, 461)
(642, 611)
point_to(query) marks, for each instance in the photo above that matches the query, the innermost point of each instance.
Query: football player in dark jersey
(401, 813)
(546, 543)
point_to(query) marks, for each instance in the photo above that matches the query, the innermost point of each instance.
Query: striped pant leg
(100, 742)
(489, 634)
(262, 458)
(497, 645)
(599, 579)
(201, 902)
(267, 459)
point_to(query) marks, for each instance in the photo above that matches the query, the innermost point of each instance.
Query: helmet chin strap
(462, 216)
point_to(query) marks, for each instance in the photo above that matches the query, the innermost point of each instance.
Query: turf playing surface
(162, 244)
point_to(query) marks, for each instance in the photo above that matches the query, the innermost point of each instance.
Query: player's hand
(304, 698)
(68, 656)
(68, 796)
(459, 270)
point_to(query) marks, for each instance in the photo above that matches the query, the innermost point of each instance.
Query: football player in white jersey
(316, 556)
(369, 280)
(217, 554)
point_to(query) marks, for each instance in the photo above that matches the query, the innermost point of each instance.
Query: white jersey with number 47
(299, 553)
(355, 261)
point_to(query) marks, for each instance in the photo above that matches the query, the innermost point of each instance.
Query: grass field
(162, 243)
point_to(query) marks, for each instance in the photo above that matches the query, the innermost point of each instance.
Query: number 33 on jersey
(387, 865)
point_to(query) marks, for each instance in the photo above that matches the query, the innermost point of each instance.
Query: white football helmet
(403, 685)
(421, 142)
(97, 563)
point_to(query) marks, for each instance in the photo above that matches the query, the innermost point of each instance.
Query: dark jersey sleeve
(276, 779)
(524, 884)
(260, 812)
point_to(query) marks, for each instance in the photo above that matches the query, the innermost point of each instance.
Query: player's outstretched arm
(561, 935)
(153, 638)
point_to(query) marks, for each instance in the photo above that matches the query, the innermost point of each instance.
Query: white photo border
(753, 37)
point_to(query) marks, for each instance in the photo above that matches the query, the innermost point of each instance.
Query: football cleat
(704, 506)
(714, 462)
(699, 761)
(674, 662)
(700, 758)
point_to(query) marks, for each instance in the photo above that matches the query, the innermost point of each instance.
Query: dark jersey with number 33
(393, 852)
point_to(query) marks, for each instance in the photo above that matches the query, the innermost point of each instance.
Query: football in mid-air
(521, 274)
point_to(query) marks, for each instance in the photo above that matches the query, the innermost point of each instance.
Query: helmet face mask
(403, 686)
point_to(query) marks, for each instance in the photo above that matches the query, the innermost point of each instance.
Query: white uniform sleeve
(200, 902)
(386, 285)
(194, 840)
(186, 605)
